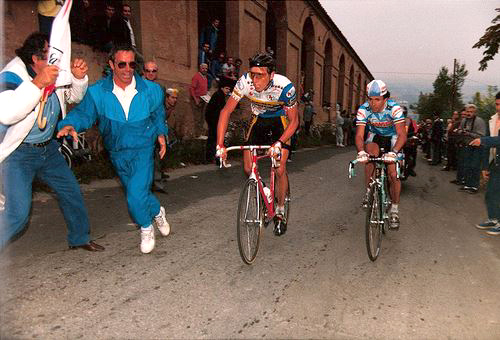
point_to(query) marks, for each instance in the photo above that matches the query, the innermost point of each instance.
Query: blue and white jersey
(270, 102)
(380, 123)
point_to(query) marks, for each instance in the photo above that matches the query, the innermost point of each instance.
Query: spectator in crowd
(151, 74)
(47, 11)
(102, 31)
(346, 127)
(28, 151)
(425, 138)
(472, 127)
(131, 115)
(216, 66)
(460, 146)
(436, 139)
(172, 94)
(80, 20)
(307, 116)
(198, 91)
(214, 106)
(410, 148)
(228, 69)
(204, 54)
(451, 149)
(126, 14)
(209, 35)
(151, 71)
(339, 128)
(237, 68)
(491, 171)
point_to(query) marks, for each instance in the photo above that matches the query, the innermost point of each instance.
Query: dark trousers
(492, 196)
(472, 165)
(211, 142)
(436, 152)
(307, 127)
(460, 164)
(411, 157)
(451, 155)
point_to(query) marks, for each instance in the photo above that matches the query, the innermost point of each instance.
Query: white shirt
(125, 96)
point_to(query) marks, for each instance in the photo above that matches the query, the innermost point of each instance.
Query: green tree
(491, 41)
(485, 104)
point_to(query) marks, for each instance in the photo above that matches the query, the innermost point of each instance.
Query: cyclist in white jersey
(384, 120)
(274, 119)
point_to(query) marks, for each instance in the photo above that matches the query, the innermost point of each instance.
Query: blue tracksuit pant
(135, 169)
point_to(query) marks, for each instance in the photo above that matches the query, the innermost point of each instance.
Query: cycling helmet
(263, 60)
(376, 88)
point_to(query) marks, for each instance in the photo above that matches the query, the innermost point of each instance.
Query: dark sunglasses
(151, 71)
(131, 64)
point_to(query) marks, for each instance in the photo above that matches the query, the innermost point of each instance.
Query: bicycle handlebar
(375, 160)
(244, 147)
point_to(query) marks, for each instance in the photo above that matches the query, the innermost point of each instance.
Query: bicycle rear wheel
(374, 222)
(250, 221)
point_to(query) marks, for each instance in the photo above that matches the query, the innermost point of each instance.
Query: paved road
(436, 278)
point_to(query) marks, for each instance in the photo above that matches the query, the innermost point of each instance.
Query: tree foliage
(491, 41)
(447, 94)
(485, 104)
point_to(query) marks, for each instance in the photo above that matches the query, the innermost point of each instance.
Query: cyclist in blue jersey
(385, 122)
(274, 120)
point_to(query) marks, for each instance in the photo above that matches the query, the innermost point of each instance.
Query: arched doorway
(276, 31)
(207, 12)
(341, 80)
(327, 75)
(351, 89)
(307, 55)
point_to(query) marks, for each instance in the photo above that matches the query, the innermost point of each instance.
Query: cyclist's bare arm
(225, 113)
(401, 132)
(292, 113)
(360, 138)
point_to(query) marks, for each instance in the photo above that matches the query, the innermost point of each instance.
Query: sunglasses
(131, 64)
(151, 71)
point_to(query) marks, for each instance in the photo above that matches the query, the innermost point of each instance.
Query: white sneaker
(161, 223)
(147, 239)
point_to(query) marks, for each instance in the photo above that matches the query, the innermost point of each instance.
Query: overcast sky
(411, 37)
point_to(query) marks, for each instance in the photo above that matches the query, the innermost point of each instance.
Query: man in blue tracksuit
(131, 117)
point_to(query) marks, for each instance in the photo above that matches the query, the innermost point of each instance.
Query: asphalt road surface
(436, 278)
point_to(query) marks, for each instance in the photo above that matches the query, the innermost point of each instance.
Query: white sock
(148, 228)
(280, 209)
(394, 208)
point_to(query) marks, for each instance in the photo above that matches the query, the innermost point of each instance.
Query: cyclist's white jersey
(270, 102)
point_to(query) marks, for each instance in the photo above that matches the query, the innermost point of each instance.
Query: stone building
(309, 48)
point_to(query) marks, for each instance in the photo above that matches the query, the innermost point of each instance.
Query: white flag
(60, 45)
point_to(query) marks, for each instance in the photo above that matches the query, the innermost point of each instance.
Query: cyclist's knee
(280, 171)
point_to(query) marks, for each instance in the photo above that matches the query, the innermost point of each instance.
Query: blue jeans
(46, 163)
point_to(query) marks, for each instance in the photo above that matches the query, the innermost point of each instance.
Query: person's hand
(275, 150)
(390, 157)
(486, 174)
(221, 152)
(475, 142)
(197, 101)
(46, 77)
(362, 157)
(79, 68)
(68, 130)
(163, 146)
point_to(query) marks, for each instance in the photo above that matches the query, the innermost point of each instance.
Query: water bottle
(267, 192)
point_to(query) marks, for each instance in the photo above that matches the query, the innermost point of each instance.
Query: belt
(39, 145)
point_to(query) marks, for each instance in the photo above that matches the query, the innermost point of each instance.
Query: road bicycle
(379, 202)
(75, 151)
(256, 206)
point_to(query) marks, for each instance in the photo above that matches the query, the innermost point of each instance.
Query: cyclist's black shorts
(383, 142)
(266, 131)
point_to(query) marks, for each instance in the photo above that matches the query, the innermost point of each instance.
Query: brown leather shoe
(91, 246)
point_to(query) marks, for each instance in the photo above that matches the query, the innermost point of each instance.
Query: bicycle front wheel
(374, 222)
(250, 221)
